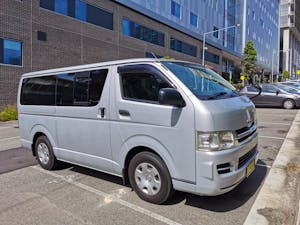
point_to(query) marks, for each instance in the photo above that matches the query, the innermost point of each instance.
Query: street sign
(242, 77)
(298, 72)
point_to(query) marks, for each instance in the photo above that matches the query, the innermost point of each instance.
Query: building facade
(42, 34)
(261, 26)
(290, 36)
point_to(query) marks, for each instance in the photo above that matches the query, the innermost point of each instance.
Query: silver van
(161, 125)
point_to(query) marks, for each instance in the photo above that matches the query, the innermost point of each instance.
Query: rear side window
(142, 86)
(80, 89)
(69, 89)
(38, 91)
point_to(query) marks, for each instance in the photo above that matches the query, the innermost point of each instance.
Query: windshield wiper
(216, 95)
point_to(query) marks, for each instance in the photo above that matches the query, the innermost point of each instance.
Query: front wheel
(289, 104)
(44, 153)
(150, 178)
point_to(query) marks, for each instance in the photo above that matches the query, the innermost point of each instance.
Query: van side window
(69, 89)
(142, 86)
(38, 91)
(81, 88)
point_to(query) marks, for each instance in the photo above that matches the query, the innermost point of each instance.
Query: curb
(278, 200)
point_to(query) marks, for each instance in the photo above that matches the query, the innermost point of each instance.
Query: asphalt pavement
(75, 195)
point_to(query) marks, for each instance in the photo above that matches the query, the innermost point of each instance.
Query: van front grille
(245, 158)
(246, 132)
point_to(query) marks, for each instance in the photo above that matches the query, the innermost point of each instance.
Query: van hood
(224, 114)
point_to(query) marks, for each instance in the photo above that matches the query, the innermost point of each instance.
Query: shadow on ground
(222, 203)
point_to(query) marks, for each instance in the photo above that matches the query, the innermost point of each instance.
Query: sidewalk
(9, 135)
(278, 201)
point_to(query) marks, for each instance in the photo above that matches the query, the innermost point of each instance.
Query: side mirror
(277, 92)
(170, 96)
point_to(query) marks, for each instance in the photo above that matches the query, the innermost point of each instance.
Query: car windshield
(202, 82)
(295, 85)
(286, 88)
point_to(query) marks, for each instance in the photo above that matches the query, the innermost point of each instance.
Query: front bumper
(220, 172)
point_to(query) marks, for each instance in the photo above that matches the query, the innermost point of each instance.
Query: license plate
(250, 168)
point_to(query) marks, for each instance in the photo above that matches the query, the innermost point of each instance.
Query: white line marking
(109, 197)
(263, 165)
(270, 137)
(10, 138)
(285, 124)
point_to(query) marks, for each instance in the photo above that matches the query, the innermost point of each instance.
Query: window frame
(133, 70)
(22, 55)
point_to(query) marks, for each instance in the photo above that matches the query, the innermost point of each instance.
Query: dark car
(273, 95)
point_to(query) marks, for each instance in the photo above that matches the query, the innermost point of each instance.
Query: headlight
(215, 141)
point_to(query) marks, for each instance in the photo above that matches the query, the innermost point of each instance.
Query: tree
(285, 74)
(249, 60)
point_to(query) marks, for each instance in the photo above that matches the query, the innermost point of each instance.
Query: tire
(44, 153)
(288, 104)
(149, 177)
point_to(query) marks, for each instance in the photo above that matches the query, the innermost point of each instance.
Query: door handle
(101, 113)
(124, 112)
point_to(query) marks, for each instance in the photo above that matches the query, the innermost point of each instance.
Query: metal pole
(203, 50)
(272, 67)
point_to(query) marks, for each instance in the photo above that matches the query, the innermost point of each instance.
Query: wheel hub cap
(43, 153)
(147, 178)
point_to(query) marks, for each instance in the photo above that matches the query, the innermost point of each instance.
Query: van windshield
(203, 82)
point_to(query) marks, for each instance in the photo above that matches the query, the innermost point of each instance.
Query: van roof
(95, 65)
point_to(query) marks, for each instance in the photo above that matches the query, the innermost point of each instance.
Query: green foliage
(9, 113)
(285, 74)
(249, 60)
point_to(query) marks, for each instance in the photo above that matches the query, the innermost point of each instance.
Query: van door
(142, 121)
(82, 121)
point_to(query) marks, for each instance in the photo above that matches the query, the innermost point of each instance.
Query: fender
(41, 128)
(149, 142)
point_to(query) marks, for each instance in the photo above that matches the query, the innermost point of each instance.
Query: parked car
(273, 95)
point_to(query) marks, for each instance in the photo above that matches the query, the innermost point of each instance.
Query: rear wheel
(289, 104)
(150, 178)
(44, 153)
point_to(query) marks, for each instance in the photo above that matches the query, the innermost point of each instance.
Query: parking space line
(263, 165)
(10, 138)
(285, 124)
(270, 137)
(109, 197)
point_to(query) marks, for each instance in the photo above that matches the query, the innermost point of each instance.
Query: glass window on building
(211, 57)
(216, 33)
(175, 9)
(193, 19)
(135, 30)
(80, 10)
(99, 17)
(183, 47)
(61, 6)
(10, 52)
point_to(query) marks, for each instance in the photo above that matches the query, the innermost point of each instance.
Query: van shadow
(97, 174)
(229, 201)
(222, 203)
